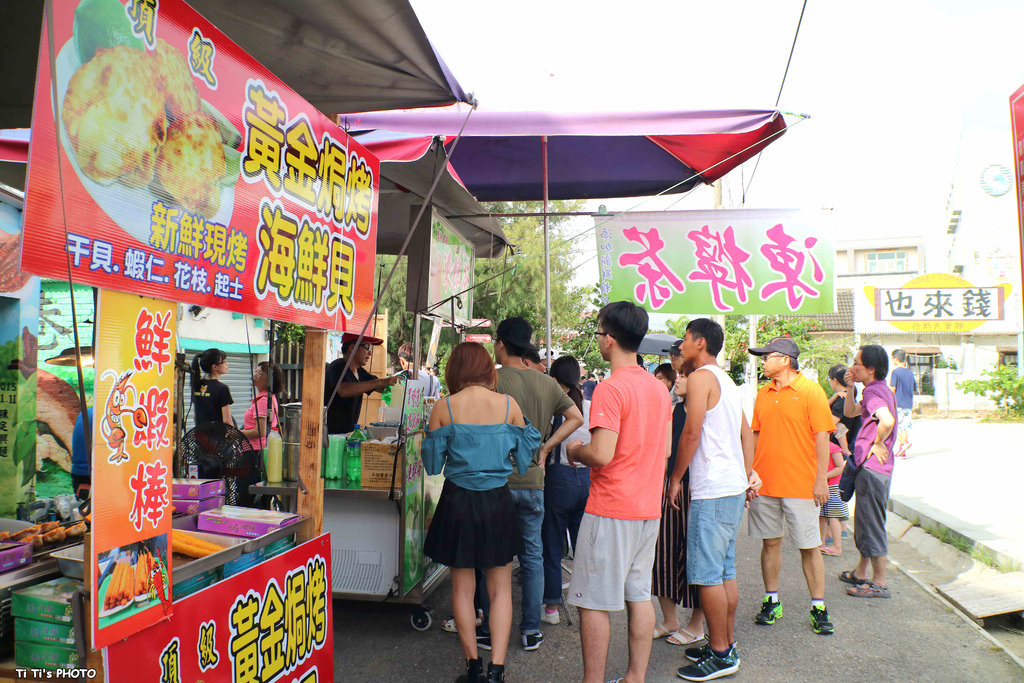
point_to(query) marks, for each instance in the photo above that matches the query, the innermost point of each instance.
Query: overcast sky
(890, 86)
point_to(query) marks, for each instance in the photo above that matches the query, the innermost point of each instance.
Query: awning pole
(547, 253)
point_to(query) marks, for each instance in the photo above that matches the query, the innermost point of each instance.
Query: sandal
(829, 550)
(660, 632)
(684, 637)
(868, 590)
(849, 577)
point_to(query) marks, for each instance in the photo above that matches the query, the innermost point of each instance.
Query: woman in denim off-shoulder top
(477, 437)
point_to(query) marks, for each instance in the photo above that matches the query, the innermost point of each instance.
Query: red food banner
(131, 464)
(269, 623)
(188, 172)
(1017, 121)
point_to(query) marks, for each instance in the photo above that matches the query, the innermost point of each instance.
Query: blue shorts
(711, 534)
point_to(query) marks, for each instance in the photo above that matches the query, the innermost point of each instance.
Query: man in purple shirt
(873, 449)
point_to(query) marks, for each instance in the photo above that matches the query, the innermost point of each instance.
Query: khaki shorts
(613, 563)
(765, 520)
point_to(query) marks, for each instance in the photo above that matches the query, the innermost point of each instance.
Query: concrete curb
(946, 557)
(928, 517)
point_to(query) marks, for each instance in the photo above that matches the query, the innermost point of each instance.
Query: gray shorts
(768, 515)
(870, 503)
(614, 561)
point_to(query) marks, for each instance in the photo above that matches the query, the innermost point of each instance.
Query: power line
(778, 97)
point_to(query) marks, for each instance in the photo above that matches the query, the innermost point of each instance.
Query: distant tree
(815, 351)
(508, 285)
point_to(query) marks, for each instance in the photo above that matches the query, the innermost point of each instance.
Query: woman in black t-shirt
(211, 397)
(843, 438)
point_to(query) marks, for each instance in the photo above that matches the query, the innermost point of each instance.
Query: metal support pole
(751, 393)
(547, 253)
(416, 322)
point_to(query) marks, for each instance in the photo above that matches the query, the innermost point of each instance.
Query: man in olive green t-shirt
(540, 398)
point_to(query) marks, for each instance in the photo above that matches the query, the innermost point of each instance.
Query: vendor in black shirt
(211, 397)
(344, 409)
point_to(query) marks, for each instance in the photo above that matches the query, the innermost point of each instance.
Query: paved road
(911, 637)
(966, 475)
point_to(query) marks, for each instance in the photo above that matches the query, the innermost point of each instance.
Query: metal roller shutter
(239, 380)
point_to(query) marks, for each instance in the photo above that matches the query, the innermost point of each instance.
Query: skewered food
(76, 530)
(185, 543)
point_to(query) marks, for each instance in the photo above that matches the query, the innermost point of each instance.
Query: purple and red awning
(591, 155)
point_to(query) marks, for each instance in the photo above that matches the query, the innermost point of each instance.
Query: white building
(979, 244)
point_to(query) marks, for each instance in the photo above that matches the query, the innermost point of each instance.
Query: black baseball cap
(783, 345)
(517, 332)
(674, 349)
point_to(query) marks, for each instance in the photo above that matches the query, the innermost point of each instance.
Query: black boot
(495, 673)
(474, 672)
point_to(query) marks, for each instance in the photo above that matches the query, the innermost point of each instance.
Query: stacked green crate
(43, 633)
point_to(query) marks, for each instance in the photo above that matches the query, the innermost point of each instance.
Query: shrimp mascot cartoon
(112, 426)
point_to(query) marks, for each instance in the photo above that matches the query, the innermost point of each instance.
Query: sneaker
(449, 623)
(531, 641)
(770, 611)
(695, 654)
(551, 617)
(819, 621)
(483, 639)
(708, 667)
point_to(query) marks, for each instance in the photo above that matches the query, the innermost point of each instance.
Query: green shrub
(1002, 386)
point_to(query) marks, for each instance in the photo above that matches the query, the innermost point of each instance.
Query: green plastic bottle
(353, 461)
(335, 467)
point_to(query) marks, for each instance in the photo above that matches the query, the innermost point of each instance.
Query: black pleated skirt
(473, 529)
(669, 580)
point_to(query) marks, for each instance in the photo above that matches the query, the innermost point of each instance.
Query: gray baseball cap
(784, 345)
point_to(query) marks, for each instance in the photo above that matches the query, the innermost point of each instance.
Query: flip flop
(684, 637)
(661, 632)
(829, 550)
(849, 577)
(868, 590)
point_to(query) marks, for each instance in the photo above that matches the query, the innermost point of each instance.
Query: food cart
(185, 205)
(377, 530)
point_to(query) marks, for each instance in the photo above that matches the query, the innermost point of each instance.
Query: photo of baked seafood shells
(137, 131)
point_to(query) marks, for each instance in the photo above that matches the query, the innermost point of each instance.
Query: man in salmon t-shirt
(630, 419)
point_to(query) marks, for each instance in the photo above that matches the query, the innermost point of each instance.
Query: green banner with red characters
(172, 164)
(743, 261)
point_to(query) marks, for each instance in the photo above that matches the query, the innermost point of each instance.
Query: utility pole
(720, 319)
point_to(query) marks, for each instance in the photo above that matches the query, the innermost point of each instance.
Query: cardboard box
(14, 554)
(45, 656)
(239, 521)
(187, 506)
(45, 632)
(48, 601)
(196, 489)
(378, 465)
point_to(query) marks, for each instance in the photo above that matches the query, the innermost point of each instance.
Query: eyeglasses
(775, 355)
(604, 334)
(368, 347)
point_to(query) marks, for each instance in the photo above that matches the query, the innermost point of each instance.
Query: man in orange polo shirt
(791, 425)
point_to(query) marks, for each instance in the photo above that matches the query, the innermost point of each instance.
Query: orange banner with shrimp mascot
(131, 464)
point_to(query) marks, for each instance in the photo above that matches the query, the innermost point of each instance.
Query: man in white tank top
(718, 448)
